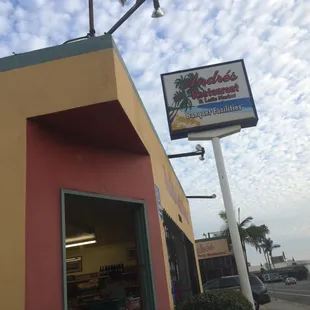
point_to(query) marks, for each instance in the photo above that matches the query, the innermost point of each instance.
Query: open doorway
(182, 261)
(106, 257)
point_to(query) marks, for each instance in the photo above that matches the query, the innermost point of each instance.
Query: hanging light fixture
(79, 240)
(158, 12)
(122, 2)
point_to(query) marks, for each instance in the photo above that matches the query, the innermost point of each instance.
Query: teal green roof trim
(55, 52)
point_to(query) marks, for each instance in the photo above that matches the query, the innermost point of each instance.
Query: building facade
(72, 120)
(215, 258)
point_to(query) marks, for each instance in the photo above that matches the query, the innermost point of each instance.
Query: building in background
(278, 259)
(281, 269)
(215, 258)
(75, 134)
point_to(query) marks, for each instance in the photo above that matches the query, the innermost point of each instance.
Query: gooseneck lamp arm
(156, 4)
(200, 152)
(126, 16)
(91, 18)
(202, 197)
(92, 31)
(157, 13)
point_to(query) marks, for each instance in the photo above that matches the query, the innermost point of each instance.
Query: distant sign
(212, 248)
(207, 98)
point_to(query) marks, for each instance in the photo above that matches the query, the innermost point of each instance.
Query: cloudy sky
(268, 166)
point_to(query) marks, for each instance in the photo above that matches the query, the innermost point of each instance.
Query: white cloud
(268, 166)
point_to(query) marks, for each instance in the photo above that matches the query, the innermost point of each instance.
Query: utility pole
(215, 136)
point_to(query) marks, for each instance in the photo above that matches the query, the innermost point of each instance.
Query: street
(299, 293)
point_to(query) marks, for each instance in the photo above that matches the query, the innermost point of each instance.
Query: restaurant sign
(207, 98)
(212, 248)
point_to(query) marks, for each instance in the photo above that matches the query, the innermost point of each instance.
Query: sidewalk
(284, 305)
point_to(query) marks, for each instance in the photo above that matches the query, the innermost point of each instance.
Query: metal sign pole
(214, 136)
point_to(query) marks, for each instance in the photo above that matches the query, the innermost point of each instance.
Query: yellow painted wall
(100, 255)
(30, 88)
(12, 219)
(27, 92)
(160, 162)
(130, 102)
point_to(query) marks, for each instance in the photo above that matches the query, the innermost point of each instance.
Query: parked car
(259, 289)
(290, 280)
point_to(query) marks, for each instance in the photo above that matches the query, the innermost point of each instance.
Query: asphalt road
(299, 293)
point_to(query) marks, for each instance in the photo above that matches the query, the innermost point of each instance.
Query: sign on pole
(207, 98)
(212, 248)
(210, 103)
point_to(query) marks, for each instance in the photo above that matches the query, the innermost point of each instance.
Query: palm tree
(261, 249)
(182, 96)
(250, 234)
(267, 245)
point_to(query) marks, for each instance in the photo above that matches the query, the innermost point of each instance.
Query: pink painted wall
(52, 165)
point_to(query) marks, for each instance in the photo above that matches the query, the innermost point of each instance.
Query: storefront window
(181, 255)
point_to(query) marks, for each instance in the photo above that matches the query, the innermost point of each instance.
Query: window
(255, 281)
(211, 285)
(227, 272)
(227, 261)
(209, 264)
(229, 282)
(234, 281)
(217, 262)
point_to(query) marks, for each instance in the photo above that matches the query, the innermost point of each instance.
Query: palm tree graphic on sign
(182, 98)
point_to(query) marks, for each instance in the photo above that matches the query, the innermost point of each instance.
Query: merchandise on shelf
(90, 289)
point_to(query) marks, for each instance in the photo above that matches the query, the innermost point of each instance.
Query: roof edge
(210, 239)
(57, 52)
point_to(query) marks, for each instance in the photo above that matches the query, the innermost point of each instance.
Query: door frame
(142, 240)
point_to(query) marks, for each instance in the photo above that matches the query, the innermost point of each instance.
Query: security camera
(199, 148)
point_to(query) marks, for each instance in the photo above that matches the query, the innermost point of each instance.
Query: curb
(288, 302)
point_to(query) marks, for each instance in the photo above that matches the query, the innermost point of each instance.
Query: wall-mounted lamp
(213, 196)
(200, 151)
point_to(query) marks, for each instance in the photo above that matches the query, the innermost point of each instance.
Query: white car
(290, 280)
